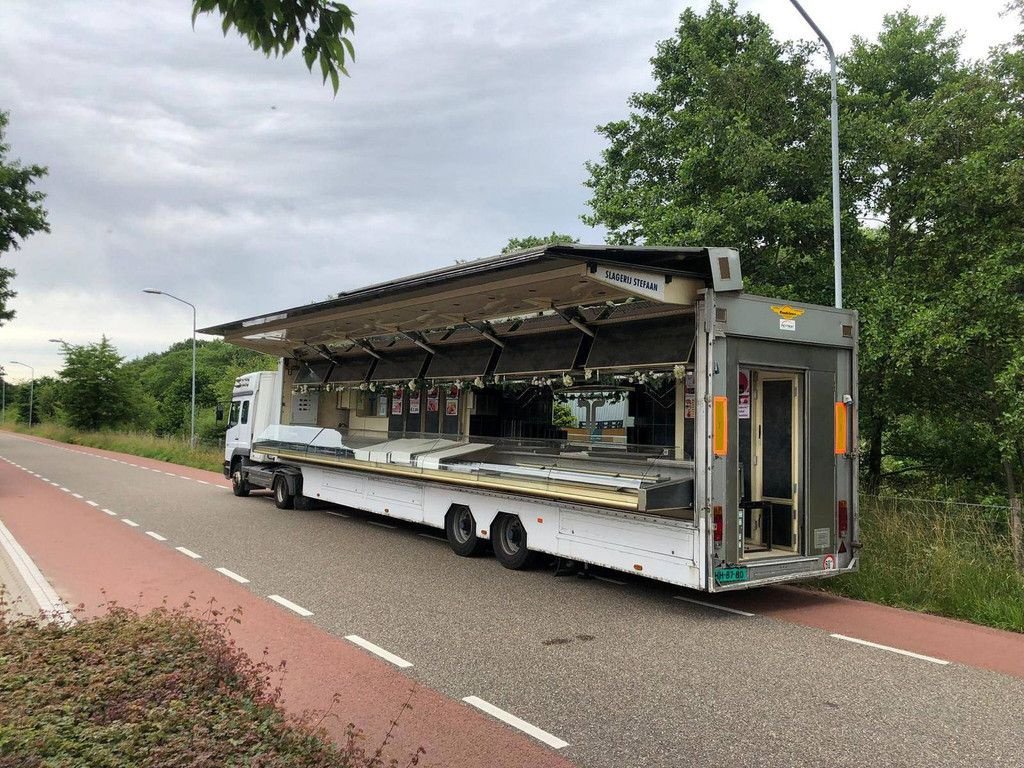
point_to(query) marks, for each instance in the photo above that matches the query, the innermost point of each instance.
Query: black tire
(460, 528)
(239, 485)
(508, 539)
(283, 498)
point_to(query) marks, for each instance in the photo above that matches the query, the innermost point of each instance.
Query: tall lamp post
(3, 397)
(31, 388)
(192, 438)
(836, 247)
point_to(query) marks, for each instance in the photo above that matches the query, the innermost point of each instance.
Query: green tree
(98, 392)
(21, 213)
(563, 416)
(532, 241)
(276, 27)
(894, 149)
(731, 147)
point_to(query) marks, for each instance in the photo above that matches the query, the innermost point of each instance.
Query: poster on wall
(396, 402)
(432, 401)
(451, 406)
(743, 403)
(382, 405)
(414, 403)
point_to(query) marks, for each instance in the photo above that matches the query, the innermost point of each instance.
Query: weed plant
(168, 688)
(939, 557)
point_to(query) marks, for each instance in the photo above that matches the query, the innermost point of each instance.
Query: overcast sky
(184, 161)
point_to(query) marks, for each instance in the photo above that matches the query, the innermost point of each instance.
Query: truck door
(239, 430)
(777, 426)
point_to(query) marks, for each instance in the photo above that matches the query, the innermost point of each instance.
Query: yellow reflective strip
(720, 435)
(841, 428)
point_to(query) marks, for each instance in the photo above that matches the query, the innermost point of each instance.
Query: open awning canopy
(554, 288)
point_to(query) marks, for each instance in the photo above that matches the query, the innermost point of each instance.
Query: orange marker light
(841, 432)
(720, 427)
(540, 519)
(637, 567)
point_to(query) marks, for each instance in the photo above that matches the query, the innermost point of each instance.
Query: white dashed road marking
(889, 648)
(188, 553)
(132, 523)
(92, 503)
(737, 611)
(398, 661)
(552, 741)
(290, 605)
(232, 575)
(155, 535)
(109, 512)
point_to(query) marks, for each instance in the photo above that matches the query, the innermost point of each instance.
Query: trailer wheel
(460, 528)
(239, 485)
(508, 537)
(283, 498)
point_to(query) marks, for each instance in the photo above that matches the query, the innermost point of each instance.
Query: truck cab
(255, 403)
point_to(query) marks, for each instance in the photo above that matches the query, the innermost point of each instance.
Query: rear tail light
(843, 518)
(719, 525)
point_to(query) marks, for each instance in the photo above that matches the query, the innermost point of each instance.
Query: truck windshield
(233, 414)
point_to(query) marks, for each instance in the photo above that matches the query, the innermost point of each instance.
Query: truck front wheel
(283, 498)
(239, 484)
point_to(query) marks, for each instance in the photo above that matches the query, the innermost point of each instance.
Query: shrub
(167, 688)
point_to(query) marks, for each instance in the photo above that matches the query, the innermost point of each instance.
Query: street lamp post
(3, 397)
(31, 388)
(836, 247)
(192, 438)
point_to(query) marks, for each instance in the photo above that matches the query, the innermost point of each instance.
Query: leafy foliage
(532, 241)
(277, 26)
(731, 148)
(168, 688)
(21, 213)
(97, 390)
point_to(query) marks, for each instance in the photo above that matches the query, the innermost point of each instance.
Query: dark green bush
(168, 689)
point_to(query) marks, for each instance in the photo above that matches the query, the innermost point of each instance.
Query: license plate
(730, 575)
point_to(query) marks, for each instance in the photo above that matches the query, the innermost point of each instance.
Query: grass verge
(134, 443)
(942, 558)
(166, 689)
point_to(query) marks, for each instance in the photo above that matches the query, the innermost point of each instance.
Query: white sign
(787, 325)
(648, 284)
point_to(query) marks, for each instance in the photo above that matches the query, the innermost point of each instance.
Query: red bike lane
(91, 559)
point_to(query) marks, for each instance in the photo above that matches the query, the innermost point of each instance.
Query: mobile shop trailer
(628, 407)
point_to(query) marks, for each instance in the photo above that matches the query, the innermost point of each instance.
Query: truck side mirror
(220, 412)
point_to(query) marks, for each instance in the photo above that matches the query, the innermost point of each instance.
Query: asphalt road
(625, 673)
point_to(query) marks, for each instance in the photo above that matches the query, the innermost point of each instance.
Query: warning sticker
(828, 563)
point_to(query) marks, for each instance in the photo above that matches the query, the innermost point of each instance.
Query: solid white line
(610, 580)
(188, 553)
(552, 741)
(78, 495)
(381, 525)
(92, 503)
(132, 523)
(900, 651)
(109, 511)
(232, 575)
(712, 605)
(334, 514)
(398, 661)
(155, 535)
(290, 605)
(41, 590)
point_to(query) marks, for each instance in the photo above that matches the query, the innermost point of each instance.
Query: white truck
(436, 399)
